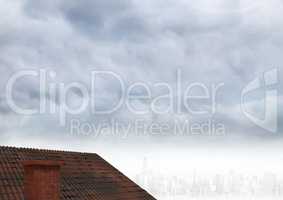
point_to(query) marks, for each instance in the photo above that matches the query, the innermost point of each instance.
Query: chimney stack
(42, 179)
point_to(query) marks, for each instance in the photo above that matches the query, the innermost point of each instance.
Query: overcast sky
(229, 42)
(233, 43)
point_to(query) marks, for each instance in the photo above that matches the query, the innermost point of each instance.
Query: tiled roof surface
(85, 176)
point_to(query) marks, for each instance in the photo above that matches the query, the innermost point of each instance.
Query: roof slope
(85, 176)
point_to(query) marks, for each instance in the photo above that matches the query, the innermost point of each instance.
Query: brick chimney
(42, 179)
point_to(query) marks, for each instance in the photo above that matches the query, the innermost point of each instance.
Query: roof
(84, 176)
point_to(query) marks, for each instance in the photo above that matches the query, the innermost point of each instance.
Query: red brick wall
(42, 182)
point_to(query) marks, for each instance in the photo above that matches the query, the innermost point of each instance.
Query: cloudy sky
(226, 42)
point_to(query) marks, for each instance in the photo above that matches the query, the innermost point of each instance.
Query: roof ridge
(84, 175)
(45, 150)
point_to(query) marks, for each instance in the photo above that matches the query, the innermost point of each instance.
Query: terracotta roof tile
(85, 176)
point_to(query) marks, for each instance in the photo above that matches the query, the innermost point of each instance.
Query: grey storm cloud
(230, 41)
